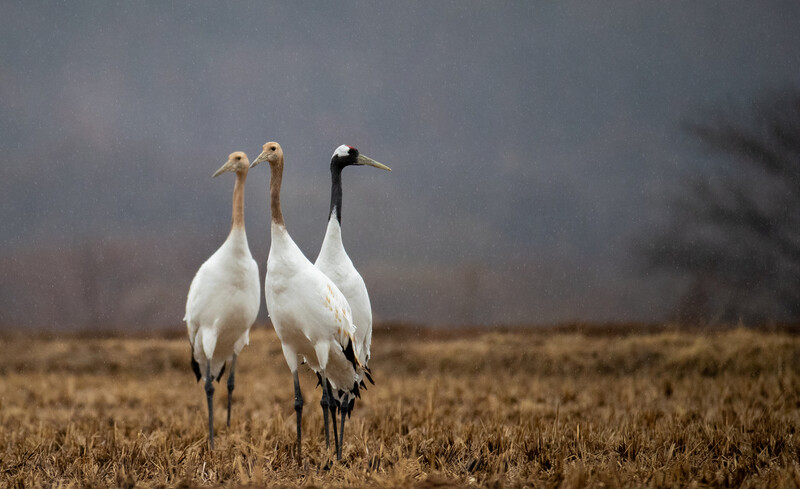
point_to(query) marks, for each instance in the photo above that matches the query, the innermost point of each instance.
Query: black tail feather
(196, 369)
(222, 371)
(195, 365)
(350, 355)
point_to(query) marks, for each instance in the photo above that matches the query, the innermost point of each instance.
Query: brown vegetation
(517, 408)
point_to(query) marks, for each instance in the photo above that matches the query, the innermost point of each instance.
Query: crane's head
(347, 155)
(237, 162)
(272, 152)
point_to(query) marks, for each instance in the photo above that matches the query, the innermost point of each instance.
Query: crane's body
(311, 316)
(336, 265)
(223, 303)
(224, 299)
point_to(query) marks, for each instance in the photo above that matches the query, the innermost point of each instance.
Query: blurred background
(552, 162)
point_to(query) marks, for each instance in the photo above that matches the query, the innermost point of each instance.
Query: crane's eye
(238, 158)
(272, 148)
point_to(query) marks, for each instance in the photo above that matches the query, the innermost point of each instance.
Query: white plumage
(310, 315)
(223, 303)
(224, 298)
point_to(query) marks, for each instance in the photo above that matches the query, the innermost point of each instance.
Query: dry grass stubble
(516, 408)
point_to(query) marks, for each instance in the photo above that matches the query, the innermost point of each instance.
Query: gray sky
(531, 142)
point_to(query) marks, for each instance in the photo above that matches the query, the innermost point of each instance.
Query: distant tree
(735, 232)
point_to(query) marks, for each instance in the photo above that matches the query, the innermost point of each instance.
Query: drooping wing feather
(195, 365)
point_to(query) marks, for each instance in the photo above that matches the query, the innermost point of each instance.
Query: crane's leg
(298, 407)
(323, 382)
(332, 408)
(230, 388)
(210, 398)
(326, 399)
(345, 404)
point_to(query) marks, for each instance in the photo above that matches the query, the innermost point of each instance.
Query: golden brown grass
(518, 408)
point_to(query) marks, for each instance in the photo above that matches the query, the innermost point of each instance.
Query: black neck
(336, 193)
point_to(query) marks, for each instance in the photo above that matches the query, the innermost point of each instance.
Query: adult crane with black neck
(334, 262)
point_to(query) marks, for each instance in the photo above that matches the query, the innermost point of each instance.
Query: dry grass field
(458, 408)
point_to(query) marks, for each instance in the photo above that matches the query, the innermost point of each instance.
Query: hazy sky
(531, 142)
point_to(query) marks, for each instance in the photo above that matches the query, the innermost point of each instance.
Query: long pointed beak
(365, 160)
(261, 158)
(223, 169)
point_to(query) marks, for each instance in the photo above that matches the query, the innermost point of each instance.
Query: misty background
(534, 146)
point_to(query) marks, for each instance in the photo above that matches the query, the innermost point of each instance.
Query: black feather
(350, 355)
(221, 371)
(368, 374)
(195, 365)
(196, 368)
(363, 386)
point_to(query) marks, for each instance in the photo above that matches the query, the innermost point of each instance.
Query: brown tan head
(237, 162)
(272, 153)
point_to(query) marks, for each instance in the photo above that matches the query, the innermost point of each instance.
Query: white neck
(332, 247)
(283, 247)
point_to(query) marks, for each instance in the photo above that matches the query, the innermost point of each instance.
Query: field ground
(454, 408)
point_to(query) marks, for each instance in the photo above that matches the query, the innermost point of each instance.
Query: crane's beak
(228, 166)
(365, 160)
(261, 158)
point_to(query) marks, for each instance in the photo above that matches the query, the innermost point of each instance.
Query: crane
(224, 299)
(309, 313)
(334, 262)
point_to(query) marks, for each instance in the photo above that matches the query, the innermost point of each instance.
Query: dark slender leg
(298, 407)
(332, 407)
(230, 388)
(345, 404)
(210, 398)
(324, 404)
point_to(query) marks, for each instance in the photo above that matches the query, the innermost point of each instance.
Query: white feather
(341, 151)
